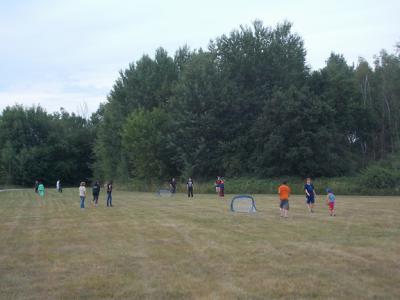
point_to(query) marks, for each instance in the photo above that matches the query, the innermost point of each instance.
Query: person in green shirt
(41, 189)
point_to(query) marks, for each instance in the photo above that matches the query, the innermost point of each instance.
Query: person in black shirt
(172, 184)
(96, 192)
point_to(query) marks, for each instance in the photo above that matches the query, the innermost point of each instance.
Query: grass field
(174, 248)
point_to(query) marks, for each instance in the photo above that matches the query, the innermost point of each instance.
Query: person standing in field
(310, 194)
(221, 187)
(82, 194)
(58, 186)
(41, 189)
(172, 185)
(96, 192)
(109, 194)
(217, 183)
(284, 194)
(330, 201)
(189, 186)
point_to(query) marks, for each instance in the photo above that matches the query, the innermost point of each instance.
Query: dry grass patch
(174, 248)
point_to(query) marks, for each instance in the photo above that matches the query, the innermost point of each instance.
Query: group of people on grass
(283, 190)
(39, 189)
(219, 186)
(189, 186)
(309, 190)
(96, 192)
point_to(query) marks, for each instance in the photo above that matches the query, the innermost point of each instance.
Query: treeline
(35, 145)
(249, 106)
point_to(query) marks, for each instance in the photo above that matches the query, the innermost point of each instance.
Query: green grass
(174, 248)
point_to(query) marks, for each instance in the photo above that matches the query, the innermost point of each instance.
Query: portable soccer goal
(244, 204)
(164, 193)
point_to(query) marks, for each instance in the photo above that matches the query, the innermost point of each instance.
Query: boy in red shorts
(331, 200)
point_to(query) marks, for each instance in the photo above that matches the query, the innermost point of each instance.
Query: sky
(68, 54)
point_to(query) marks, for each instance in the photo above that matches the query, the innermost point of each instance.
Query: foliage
(37, 145)
(247, 106)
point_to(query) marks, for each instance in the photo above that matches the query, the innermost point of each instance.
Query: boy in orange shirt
(284, 193)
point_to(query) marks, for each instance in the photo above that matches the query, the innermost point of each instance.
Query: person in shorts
(330, 201)
(310, 195)
(284, 194)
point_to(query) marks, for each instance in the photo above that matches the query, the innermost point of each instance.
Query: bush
(377, 177)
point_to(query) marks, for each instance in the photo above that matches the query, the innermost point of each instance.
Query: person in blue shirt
(310, 195)
(331, 200)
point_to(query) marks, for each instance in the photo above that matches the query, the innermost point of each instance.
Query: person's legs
(82, 202)
(310, 204)
(110, 199)
(286, 208)
(191, 192)
(332, 208)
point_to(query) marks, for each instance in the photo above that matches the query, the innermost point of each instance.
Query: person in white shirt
(58, 186)
(82, 194)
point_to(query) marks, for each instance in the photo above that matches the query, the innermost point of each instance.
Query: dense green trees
(247, 106)
(37, 145)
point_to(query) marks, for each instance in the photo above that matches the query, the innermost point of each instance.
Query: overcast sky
(67, 53)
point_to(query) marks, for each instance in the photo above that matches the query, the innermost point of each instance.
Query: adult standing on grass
(109, 192)
(58, 186)
(82, 194)
(310, 194)
(41, 189)
(189, 185)
(172, 185)
(96, 192)
(284, 194)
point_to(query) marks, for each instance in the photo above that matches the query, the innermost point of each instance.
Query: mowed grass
(174, 248)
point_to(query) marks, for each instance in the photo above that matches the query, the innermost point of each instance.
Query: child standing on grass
(310, 194)
(82, 194)
(217, 183)
(330, 200)
(221, 187)
(284, 193)
(41, 189)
